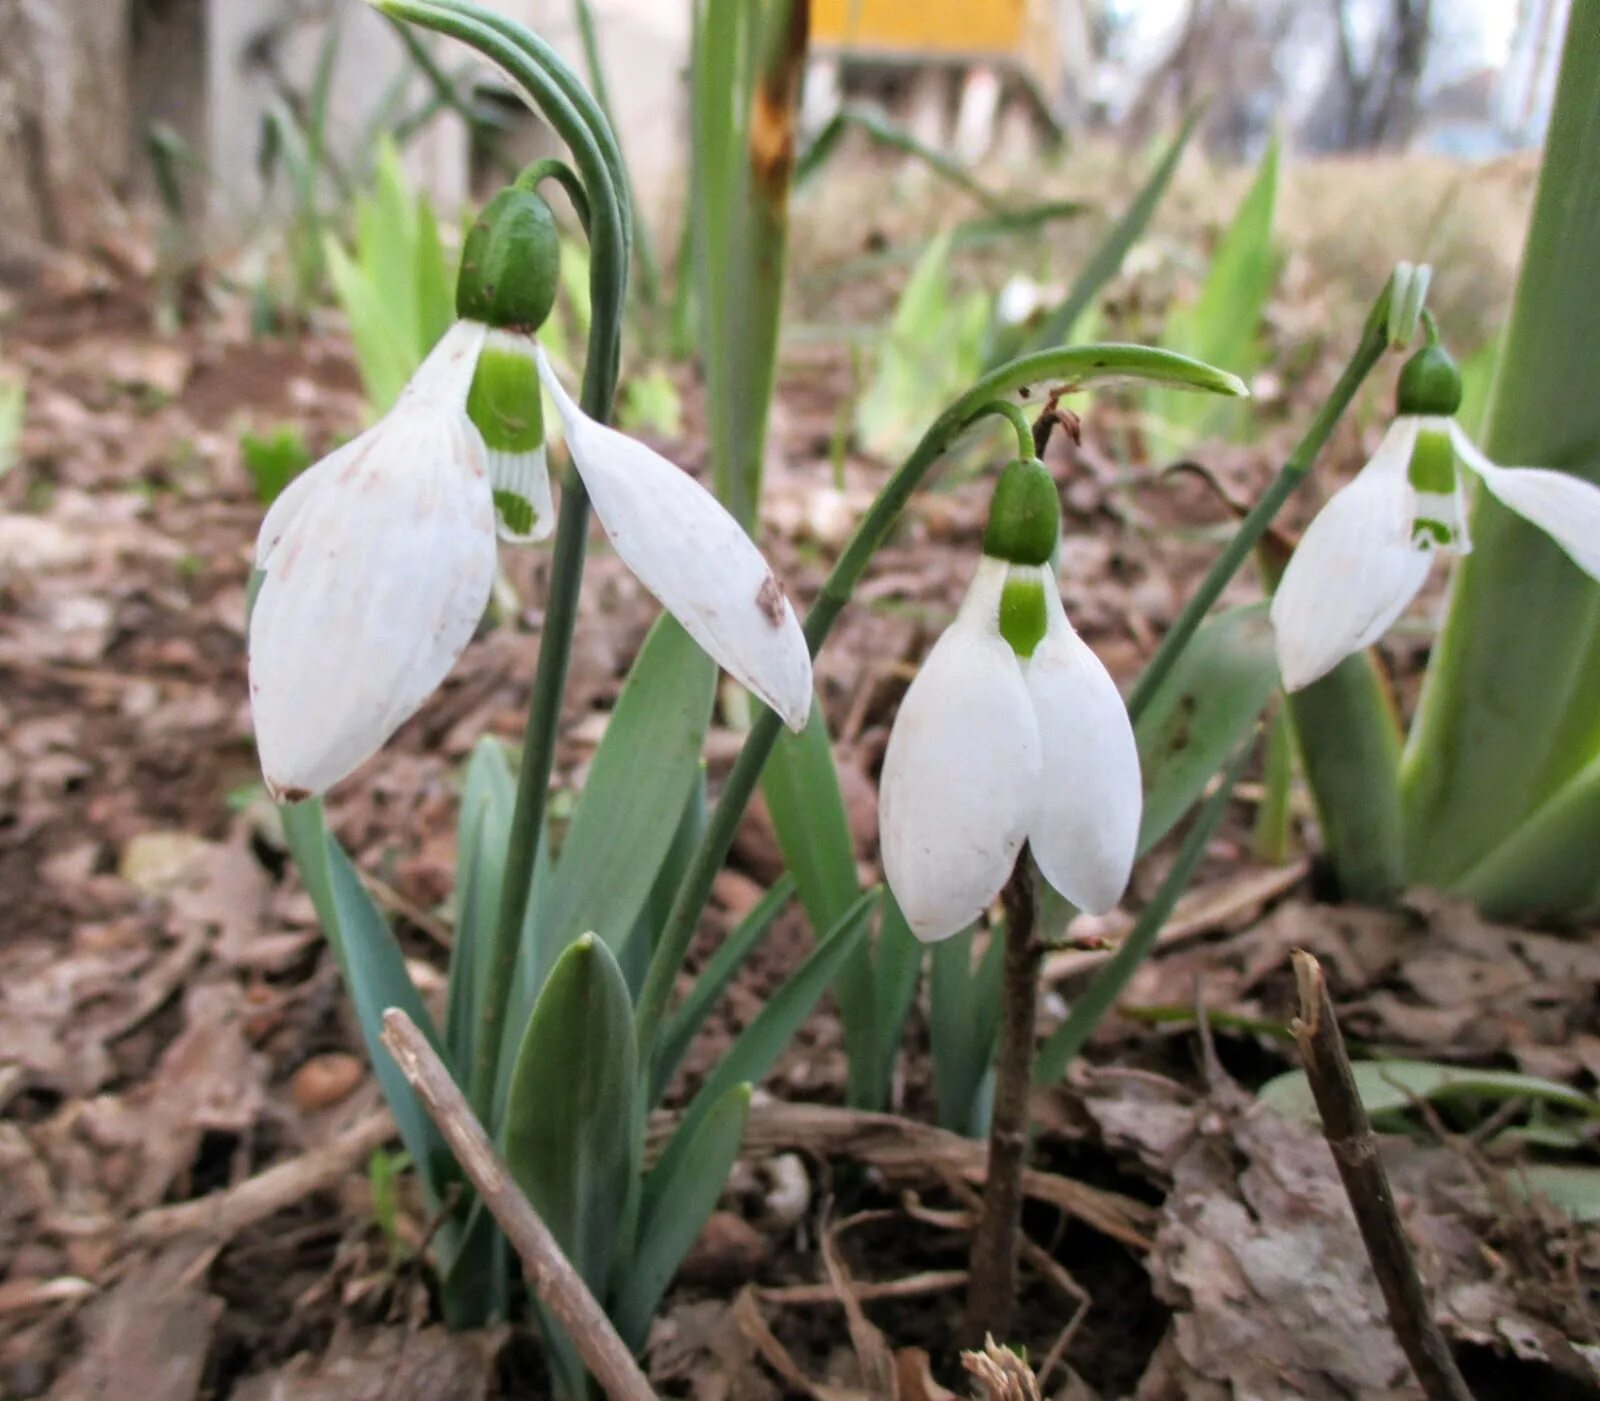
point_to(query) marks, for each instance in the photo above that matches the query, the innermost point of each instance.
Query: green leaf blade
(569, 1130)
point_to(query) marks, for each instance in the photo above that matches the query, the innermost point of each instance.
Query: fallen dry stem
(908, 1152)
(223, 1215)
(547, 1270)
(1355, 1152)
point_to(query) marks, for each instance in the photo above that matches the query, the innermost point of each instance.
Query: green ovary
(1023, 616)
(504, 400)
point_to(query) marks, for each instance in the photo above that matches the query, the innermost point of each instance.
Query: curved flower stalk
(379, 560)
(1012, 732)
(1368, 552)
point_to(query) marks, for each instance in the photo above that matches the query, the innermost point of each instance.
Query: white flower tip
(934, 926)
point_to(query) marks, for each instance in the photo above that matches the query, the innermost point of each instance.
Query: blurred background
(107, 103)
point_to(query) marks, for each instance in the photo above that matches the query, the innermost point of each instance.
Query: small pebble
(325, 1080)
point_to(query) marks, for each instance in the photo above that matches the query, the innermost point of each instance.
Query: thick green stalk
(1349, 740)
(1374, 341)
(747, 63)
(1507, 715)
(1547, 867)
(1075, 365)
(559, 95)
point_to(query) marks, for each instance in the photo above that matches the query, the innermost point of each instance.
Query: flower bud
(1024, 516)
(509, 263)
(1430, 384)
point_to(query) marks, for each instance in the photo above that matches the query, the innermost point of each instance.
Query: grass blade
(680, 1029)
(1107, 260)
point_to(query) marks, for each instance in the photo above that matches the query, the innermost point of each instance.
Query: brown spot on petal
(292, 795)
(769, 599)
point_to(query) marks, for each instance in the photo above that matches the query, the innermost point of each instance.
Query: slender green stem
(1374, 341)
(1075, 365)
(1004, 408)
(561, 97)
(552, 168)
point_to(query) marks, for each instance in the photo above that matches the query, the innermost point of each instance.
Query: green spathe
(510, 262)
(1430, 383)
(1025, 514)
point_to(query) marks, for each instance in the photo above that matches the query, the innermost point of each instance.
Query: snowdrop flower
(1368, 552)
(1013, 731)
(378, 561)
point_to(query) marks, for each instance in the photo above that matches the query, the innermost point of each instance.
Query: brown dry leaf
(386, 1365)
(746, 1312)
(872, 1349)
(209, 1079)
(913, 1380)
(701, 1344)
(148, 1338)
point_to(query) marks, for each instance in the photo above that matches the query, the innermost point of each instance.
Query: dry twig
(547, 1270)
(222, 1215)
(1355, 1152)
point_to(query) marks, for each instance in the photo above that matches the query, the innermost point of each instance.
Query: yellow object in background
(922, 27)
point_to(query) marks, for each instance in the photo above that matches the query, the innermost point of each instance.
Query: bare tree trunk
(1379, 102)
(64, 140)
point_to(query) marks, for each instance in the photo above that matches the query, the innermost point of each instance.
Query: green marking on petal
(1023, 615)
(1425, 533)
(1433, 463)
(516, 511)
(503, 402)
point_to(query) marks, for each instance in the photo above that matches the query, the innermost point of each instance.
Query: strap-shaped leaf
(964, 1019)
(684, 1203)
(1202, 713)
(639, 783)
(759, 1044)
(374, 972)
(680, 1029)
(801, 786)
(641, 943)
(482, 830)
(569, 1132)
(896, 966)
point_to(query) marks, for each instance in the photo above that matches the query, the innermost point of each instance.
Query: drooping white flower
(1010, 733)
(378, 562)
(1368, 552)
(685, 547)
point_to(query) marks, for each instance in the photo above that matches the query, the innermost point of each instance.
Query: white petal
(693, 556)
(377, 573)
(960, 773)
(1355, 569)
(1565, 507)
(1086, 826)
(524, 474)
